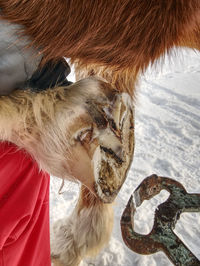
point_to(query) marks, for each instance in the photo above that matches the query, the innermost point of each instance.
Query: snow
(167, 133)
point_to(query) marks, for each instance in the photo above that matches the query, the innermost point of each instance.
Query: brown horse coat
(121, 34)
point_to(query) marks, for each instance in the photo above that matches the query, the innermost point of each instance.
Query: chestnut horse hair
(122, 35)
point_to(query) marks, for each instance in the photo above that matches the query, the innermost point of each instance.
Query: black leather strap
(49, 76)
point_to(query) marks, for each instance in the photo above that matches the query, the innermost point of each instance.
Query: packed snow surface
(167, 134)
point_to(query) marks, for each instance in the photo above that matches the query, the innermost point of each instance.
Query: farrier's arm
(20, 65)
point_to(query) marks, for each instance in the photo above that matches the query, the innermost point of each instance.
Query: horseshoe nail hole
(144, 216)
(188, 230)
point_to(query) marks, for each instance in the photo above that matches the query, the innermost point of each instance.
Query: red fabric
(24, 210)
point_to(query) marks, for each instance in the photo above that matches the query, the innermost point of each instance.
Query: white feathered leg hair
(84, 233)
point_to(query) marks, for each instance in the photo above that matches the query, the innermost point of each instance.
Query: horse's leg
(84, 131)
(89, 227)
(84, 233)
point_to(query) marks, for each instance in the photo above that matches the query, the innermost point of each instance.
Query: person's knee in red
(24, 210)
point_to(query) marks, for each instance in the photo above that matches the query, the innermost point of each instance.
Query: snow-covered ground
(167, 133)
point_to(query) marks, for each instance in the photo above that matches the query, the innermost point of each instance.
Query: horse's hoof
(102, 139)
